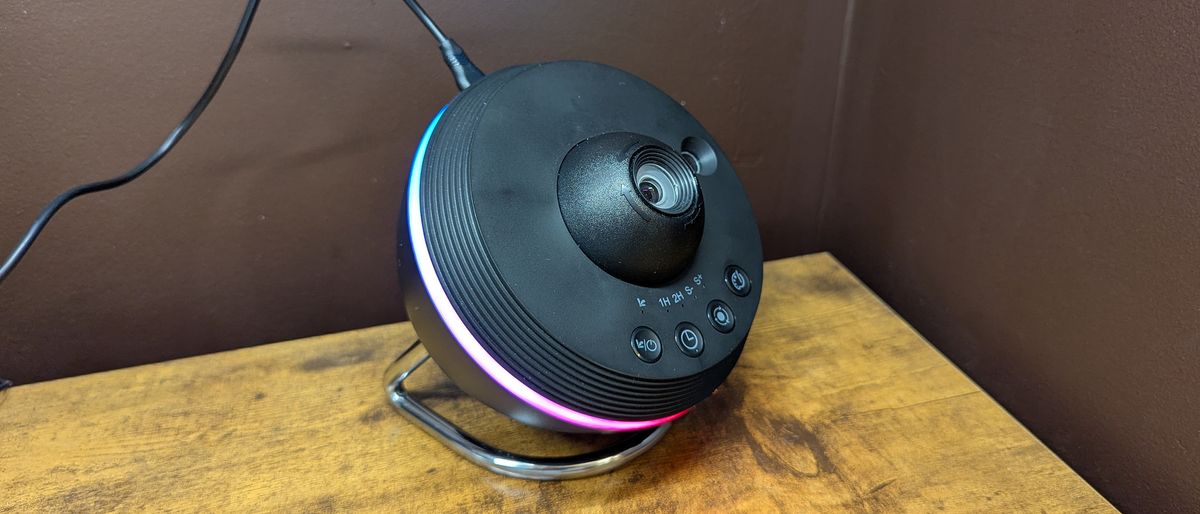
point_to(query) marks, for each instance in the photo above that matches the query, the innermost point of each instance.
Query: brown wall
(1021, 180)
(275, 217)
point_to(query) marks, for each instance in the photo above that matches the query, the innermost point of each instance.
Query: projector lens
(651, 191)
(664, 180)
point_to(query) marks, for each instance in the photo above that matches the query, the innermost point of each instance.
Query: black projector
(576, 251)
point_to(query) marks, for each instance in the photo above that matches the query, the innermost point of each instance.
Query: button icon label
(689, 339)
(737, 280)
(649, 345)
(646, 345)
(721, 316)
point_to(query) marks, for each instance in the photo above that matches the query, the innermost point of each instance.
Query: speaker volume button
(646, 345)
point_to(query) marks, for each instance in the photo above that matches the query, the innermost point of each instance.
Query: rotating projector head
(576, 251)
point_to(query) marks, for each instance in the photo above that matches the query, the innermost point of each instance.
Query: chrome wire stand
(499, 461)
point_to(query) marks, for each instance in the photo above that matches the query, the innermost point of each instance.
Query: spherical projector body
(575, 250)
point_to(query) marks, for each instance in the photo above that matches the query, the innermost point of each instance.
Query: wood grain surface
(837, 404)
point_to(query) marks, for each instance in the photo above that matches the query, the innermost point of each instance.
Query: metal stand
(500, 461)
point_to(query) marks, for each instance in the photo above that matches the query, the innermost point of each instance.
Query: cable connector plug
(460, 65)
(465, 72)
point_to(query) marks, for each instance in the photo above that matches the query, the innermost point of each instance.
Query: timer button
(737, 280)
(721, 316)
(646, 345)
(688, 337)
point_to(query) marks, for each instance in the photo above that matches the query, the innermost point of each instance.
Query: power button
(646, 345)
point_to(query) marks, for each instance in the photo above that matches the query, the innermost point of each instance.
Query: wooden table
(837, 404)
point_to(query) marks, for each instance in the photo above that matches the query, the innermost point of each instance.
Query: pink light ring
(441, 302)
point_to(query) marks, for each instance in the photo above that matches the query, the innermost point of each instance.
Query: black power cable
(427, 21)
(464, 71)
(172, 138)
(456, 59)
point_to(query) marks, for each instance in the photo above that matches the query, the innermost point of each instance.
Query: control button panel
(687, 335)
(737, 280)
(646, 344)
(689, 339)
(720, 316)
